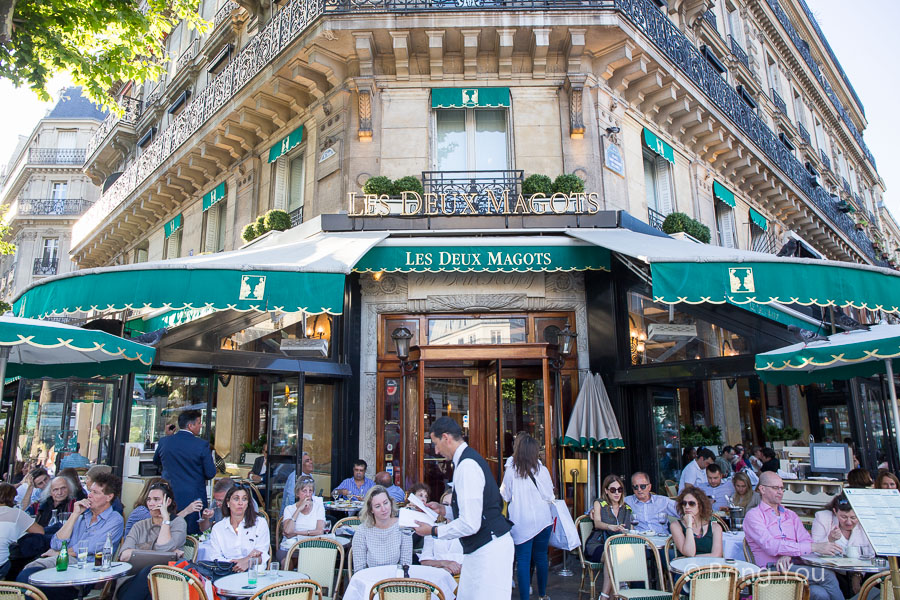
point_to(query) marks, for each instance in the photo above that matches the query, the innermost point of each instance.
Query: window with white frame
(59, 190)
(66, 138)
(213, 234)
(290, 181)
(471, 139)
(172, 247)
(141, 253)
(50, 251)
(772, 72)
(726, 225)
(736, 27)
(658, 184)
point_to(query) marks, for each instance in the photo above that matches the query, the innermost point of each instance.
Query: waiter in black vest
(478, 521)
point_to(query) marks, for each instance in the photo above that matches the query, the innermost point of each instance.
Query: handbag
(564, 534)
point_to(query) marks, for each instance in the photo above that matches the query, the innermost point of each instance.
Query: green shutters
(652, 141)
(470, 97)
(286, 145)
(213, 196)
(173, 225)
(722, 193)
(406, 259)
(759, 220)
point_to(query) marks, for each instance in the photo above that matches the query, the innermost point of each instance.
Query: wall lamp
(612, 130)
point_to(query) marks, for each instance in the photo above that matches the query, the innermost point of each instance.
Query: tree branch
(7, 8)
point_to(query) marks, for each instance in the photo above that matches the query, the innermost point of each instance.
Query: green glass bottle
(62, 560)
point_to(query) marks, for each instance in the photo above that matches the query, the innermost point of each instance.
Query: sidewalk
(560, 588)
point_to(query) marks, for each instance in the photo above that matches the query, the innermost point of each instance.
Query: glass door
(666, 439)
(87, 431)
(445, 396)
(41, 420)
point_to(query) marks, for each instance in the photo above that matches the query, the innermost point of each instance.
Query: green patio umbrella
(843, 356)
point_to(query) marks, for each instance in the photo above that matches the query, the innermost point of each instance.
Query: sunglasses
(614, 490)
(641, 486)
(689, 503)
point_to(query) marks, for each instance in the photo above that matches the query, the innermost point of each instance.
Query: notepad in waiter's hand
(408, 518)
(414, 500)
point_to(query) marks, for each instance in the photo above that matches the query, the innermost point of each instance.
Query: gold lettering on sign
(489, 202)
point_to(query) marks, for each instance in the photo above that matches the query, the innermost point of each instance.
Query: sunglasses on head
(689, 503)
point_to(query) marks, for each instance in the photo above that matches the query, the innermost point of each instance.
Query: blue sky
(863, 35)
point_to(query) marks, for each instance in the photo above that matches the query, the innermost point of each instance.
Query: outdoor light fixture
(612, 130)
(401, 337)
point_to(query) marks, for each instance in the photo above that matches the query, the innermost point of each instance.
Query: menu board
(878, 512)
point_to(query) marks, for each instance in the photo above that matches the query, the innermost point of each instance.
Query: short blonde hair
(365, 515)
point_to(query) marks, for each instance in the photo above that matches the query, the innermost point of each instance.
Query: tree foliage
(99, 42)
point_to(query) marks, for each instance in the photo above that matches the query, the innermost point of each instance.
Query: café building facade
(490, 271)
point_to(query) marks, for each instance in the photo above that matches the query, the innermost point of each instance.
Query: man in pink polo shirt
(776, 535)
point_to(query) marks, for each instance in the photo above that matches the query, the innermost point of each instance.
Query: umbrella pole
(889, 369)
(4, 358)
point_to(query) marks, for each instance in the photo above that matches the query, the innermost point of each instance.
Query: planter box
(685, 237)
(777, 445)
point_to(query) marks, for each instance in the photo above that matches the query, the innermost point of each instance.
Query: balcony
(778, 101)
(56, 156)
(655, 218)
(296, 216)
(710, 17)
(473, 182)
(826, 162)
(763, 242)
(224, 13)
(845, 185)
(739, 52)
(102, 154)
(45, 266)
(804, 134)
(188, 56)
(52, 206)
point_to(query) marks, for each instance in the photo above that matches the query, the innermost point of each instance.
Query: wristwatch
(166, 522)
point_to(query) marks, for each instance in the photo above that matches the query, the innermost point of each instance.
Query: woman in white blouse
(444, 554)
(529, 490)
(241, 534)
(304, 518)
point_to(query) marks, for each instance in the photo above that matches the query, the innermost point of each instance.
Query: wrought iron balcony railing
(188, 56)
(739, 52)
(456, 183)
(804, 134)
(762, 241)
(45, 266)
(297, 15)
(845, 185)
(825, 160)
(132, 107)
(224, 13)
(296, 216)
(53, 206)
(710, 17)
(778, 101)
(655, 218)
(56, 156)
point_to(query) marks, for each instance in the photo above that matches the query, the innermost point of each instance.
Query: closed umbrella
(593, 426)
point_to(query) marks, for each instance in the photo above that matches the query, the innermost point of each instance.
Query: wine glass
(335, 495)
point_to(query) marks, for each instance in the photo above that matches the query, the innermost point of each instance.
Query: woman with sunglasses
(695, 534)
(241, 534)
(611, 516)
(528, 489)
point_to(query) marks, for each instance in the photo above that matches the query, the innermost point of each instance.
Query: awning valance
(492, 97)
(286, 144)
(698, 273)
(652, 141)
(213, 196)
(283, 272)
(484, 255)
(173, 225)
(759, 220)
(724, 194)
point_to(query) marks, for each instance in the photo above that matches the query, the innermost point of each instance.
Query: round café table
(658, 540)
(680, 566)
(73, 576)
(362, 581)
(846, 565)
(236, 585)
(348, 508)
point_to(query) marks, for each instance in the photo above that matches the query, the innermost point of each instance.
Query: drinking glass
(273, 569)
(82, 554)
(251, 570)
(335, 495)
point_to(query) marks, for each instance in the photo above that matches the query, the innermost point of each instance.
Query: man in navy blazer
(187, 464)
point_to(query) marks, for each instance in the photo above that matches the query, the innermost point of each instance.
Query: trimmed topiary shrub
(407, 184)
(249, 232)
(700, 231)
(677, 222)
(261, 225)
(379, 185)
(277, 220)
(537, 184)
(568, 184)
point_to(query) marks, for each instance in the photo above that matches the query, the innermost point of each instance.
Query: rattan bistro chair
(172, 583)
(191, 547)
(10, 590)
(322, 559)
(670, 553)
(671, 488)
(405, 589)
(710, 581)
(748, 553)
(590, 570)
(303, 589)
(775, 585)
(884, 580)
(350, 522)
(627, 558)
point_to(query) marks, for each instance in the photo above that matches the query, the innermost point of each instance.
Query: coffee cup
(852, 552)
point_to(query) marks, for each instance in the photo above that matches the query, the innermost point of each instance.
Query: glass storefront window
(662, 333)
(158, 399)
(296, 334)
(89, 420)
(470, 331)
(41, 420)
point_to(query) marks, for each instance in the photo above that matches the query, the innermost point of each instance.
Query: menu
(878, 512)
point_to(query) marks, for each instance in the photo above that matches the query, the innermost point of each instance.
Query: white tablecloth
(361, 583)
(733, 545)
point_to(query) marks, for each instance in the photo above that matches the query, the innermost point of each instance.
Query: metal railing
(224, 13)
(739, 52)
(762, 241)
(845, 185)
(804, 134)
(132, 107)
(56, 156)
(297, 15)
(655, 218)
(479, 183)
(53, 206)
(825, 160)
(710, 17)
(778, 101)
(296, 216)
(187, 57)
(45, 266)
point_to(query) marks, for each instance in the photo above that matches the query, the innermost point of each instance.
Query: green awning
(759, 220)
(492, 97)
(286, 145)
(174, 225)
(652, 141)
(169, 319)
(723, 193)
(213, 196)
(506, 259)
(773, 313)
